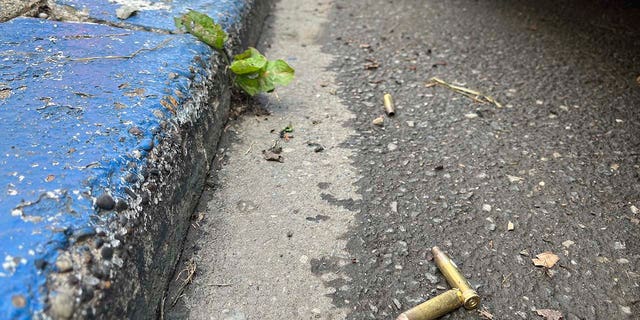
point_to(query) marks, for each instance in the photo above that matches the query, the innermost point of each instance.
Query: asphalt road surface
(346, 233)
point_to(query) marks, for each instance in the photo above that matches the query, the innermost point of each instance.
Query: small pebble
(62, 305)
(396, 302)
(135, 131)
(105, 202)
(63, 263)
(18, 301)
(106, 253)
(392, 146)
(567, 243)
(510, 226)
(486, 207)
(433, 279)
(625, 309)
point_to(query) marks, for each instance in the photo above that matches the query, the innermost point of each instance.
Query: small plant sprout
(253, 72)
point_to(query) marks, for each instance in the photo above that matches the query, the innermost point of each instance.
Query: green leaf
(250, 61)
(204, 28)
(273, 73)
(251, 86)
(279, 72)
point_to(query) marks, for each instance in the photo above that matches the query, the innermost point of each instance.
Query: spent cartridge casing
(449, 270)
(389, 107)
(435, 307)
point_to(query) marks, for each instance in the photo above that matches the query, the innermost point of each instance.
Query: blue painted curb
(106, 136)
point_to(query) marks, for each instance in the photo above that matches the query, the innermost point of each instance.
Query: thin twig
(131, 56)
(250, 147)
(190, 270)
(472, 94)
(162, 308)
(219, 284)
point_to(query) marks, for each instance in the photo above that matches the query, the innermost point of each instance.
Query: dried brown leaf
(546, 259)
(549, 314)
(272, 156)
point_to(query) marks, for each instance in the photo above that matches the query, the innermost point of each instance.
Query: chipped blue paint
(159, 14)
(73, 125)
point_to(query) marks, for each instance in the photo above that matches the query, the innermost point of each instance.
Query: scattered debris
(439, 63)
(273, 153)
(189, 272)
(105, 202)
(394, 206)
(18, 301)
(285, 132)
(125, 12)
(615, 166)
(5, 93)
(219, 284)
(567, 243)
(318, 218)
(396, 302)
(316, 146)
(638, 80)
(472, 94)
(379, 121)
(49, 178)
(549, 314)
(546, 259)
(389, 106)
(249, 149)
(485, 314)
(371, 64)
(513, 179)
(634, 209)
(272, 156)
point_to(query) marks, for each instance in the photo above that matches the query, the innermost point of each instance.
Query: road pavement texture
(555, 169)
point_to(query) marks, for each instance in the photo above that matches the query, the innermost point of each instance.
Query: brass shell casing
(448, 268)
(389, 107)
(435, 307)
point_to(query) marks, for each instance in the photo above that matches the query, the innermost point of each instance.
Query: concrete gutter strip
(107, 132)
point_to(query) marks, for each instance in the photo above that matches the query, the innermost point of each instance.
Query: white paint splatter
(142, 4)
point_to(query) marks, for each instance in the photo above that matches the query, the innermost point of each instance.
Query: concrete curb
(108, 130)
